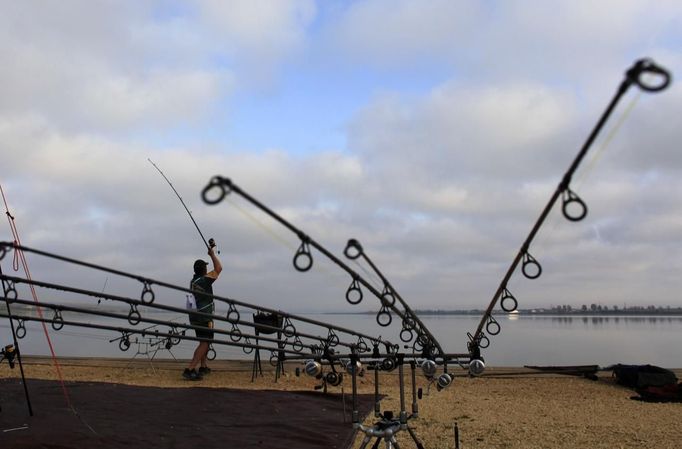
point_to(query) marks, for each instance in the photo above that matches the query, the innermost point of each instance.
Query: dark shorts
(203, 333)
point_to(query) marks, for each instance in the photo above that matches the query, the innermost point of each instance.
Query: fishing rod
(235, 336)
(411, 322)
(148, 296)
(128, 331)
(211, 242)
(58, 322)
(219, 187)
(134, 317)
(573, 207)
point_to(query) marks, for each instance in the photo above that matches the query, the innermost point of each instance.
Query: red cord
(20, 256)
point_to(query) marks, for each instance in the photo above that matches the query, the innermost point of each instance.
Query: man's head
(200, 267)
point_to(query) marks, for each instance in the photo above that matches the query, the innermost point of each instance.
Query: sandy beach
(505, 408)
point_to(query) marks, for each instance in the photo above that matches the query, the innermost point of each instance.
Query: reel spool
(313, 368)
(353, 368)
(444, 381)
(476, 367)
(334, 379)
(429, 368)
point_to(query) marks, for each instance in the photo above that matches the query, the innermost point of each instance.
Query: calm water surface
(525, 340)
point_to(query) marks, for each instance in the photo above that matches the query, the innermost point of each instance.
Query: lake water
(524, 340)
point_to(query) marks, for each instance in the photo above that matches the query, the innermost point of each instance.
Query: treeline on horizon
(567, 309)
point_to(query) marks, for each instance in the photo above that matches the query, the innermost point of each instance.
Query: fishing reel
(444, 381)
(212, 244)
(174, 337)
(333, 378)
(429, 368)
(313, 368)
(354, 368)
(476, 367)
(8, 353)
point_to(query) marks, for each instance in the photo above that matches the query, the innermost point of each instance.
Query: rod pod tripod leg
(388, 427)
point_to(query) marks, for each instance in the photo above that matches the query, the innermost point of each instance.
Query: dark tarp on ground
(643, 376)
(130, 417)
(652, 383)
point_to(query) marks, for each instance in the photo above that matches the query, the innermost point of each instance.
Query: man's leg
(204, 358)
(199, 354)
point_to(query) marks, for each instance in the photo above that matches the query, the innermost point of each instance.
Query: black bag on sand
(643, 376)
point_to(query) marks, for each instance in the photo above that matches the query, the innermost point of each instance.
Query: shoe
(191, 374)
(204, 370)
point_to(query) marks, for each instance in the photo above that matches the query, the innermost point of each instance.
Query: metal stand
(150, 347)
(279, 364)
(5, 289)
(388, 426)
(267, 323)
(256, 368)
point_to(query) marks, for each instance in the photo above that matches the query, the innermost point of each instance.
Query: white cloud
(398, 33)
(87, 67)
(441, 184)
(258, 35)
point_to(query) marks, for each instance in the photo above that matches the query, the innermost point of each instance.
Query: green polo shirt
(202, 289)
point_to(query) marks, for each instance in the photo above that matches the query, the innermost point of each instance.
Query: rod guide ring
(504, 303)
(354, 290)
(531, 268)
(353, 249)
(57, 320)
(216, 190)
(569, 198)
(147, 296)
(644, 67)
(384, 318)
(303, 259)
(21, 329)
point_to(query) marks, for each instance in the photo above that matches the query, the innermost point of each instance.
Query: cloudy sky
(434, 132)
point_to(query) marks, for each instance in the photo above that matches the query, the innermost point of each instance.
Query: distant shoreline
(673, 312)
(650, 311)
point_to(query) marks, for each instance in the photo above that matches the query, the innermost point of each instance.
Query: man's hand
(217, 266)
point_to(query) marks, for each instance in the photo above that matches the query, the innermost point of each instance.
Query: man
(202, 288)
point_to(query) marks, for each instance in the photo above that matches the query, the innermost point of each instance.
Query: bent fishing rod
(147, 296)
(411, 323)
(211, 242)
(219, 187)
(573, 207)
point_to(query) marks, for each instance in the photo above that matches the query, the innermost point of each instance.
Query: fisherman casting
(202, 289)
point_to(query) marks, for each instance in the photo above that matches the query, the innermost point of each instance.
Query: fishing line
(424, 342)
(378, 284)
(219, 187)
(598, 154)
(608, 139)
(268, 230)
(277, 237)
(636, 75)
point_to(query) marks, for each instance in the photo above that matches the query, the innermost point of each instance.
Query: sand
(505, 408)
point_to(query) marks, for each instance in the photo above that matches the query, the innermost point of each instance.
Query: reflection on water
(523, 340)
(600, 320)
